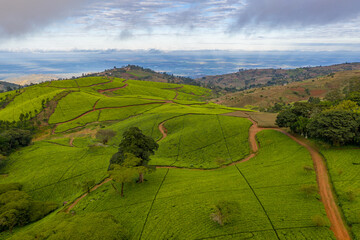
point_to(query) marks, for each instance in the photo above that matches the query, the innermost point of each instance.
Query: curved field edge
(171, 200)
(203, 141)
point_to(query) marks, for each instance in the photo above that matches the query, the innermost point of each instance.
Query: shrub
(9, 187)
(308, 169)
(104, 135)
(350, 195)
(318, 221)
(308, 189)
(224, 212)
(17, 208)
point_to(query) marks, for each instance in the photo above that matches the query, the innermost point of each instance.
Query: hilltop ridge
(252, 78)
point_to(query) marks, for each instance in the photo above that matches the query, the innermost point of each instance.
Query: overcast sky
(180, 24)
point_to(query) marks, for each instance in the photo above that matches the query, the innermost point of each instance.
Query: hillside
(140, 73)
(265, 97)
(245, 79)
(210, 157)
(6, 86)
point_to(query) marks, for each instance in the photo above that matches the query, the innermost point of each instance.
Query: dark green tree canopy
(336, 127)
(12, 139)
(136, 143)
(286, 118)
(354, 96)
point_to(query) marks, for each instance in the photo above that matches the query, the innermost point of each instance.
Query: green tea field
(208, 156)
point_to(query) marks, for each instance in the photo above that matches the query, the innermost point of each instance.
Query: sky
(249, 25)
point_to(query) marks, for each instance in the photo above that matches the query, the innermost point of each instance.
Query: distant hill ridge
(246, 79)
(265, 97)
(140, 73)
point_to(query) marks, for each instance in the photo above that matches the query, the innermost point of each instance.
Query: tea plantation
(195, 169)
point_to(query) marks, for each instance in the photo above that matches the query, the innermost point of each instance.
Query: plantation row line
(103, 108)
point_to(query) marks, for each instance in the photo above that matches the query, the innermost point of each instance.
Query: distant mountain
(6, 86)
(140, 73)
(246, 79)
(265, 97)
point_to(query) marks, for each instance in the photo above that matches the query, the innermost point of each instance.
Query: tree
(347, 105)
(9, 219)
(127, 171)
(336, 127)
(12, 139)
(314, 100)
(2, 161)
(354, 96)
(138, 144)
(286, 118)
(105, 135)
(17, 208)
(334, 96)
(300, 126)
(302, 109)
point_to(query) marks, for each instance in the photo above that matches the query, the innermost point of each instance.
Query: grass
(80, 122)
(344, 167)
(64, 84)
(30, 100)
(72, 106)
(145, 90)
(115, 83)
(198, 141)
(88, 81)
(267, 120)
(121, 102)
(171, 201)
(51, 172)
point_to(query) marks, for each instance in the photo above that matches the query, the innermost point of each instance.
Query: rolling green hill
(204, 159)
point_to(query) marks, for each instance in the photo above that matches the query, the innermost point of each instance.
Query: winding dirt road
(327, 196)
(338, 225)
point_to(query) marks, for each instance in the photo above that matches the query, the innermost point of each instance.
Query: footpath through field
(325, 189)
(327, 196)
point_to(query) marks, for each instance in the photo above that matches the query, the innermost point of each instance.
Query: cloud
(19, 17)
(151, 14)
(126, 34)
(287, 13)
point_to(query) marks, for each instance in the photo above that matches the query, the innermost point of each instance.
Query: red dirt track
(338, 225)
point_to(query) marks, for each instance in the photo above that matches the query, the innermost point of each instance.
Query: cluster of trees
(336, 119)
(131, 160)
(17, 208)
(12, 139)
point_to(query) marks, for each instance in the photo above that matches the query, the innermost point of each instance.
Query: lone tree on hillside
(127, 171)
(138, 144)
(105, 135)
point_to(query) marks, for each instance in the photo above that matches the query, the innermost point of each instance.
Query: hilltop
(246, 79)
(265, 97)
(140, 73)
